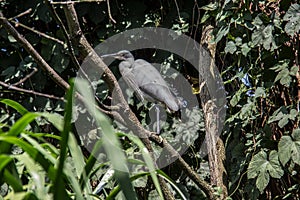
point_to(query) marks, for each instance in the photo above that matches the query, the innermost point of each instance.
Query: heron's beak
(114, 55)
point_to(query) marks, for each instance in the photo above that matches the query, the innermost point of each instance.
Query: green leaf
(260, 92)
(22, 123)
(59, 191)
(210, 7)
(17, 128)
(111, 143)
(37, 175)
(237, 96)
(254, 167)
(292, 17)
(222, 32)
(294, 70)
(262, 180)
(283, 116)
(4, 161)
(230, 47)
(245, 49)
(205, 17)
(12, 180)
(11, 39)
(46, 156)
(274, 167)
(56, 119)
(262, 168)
(284, 74)
(148, 161)
(263, 34)
(283, 121)
(18, 107)
(289, 148)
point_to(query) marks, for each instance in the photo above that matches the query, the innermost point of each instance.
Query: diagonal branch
(36, 56)
(26, 77)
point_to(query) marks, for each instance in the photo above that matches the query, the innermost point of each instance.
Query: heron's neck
(128, 63)
(130, 60)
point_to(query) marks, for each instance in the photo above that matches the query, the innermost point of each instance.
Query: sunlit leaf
(293, 19)
(230, 47)
(263, 166)
(289, 148)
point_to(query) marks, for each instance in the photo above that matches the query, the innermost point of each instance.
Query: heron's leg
(157, 119)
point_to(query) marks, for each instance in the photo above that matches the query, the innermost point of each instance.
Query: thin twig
(65, 33)
(37, 32)
(21, 14)
(72, 2)
(12, 87)
(109, 13)
(25, 78)
(178, 12)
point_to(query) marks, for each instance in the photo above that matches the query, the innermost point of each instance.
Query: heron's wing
(130, 81)
(153, 85)
(161, 93)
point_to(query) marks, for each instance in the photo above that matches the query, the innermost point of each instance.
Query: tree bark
(215, 146)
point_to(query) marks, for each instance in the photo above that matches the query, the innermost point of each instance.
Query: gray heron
(146, 81)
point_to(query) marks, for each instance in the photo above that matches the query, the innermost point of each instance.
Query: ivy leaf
(263, 34)
(260, 92)
(245, 49)
(294, 70)
(230, 47)
(293, 20)
(263, 167)
(262, 180)
(274, 167)
(289, 148)
(283, 116)
(284, 75)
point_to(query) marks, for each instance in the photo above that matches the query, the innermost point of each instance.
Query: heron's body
(145, 80)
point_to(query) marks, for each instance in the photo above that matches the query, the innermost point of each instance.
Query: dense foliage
(257, 56)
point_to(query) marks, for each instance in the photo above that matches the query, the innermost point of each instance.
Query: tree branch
(25, 78)
(12, 87)
(36, 56)
(215, 146)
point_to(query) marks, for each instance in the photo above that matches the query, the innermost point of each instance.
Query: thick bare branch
(215, 146)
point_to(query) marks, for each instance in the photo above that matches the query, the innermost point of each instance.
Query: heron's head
(121, 55)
